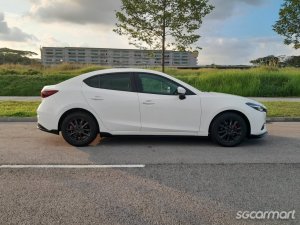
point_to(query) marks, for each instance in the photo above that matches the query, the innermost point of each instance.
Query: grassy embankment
(257, 82)
(18, 109)
(28, 109)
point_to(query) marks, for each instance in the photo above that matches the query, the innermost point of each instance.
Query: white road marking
(71, 166)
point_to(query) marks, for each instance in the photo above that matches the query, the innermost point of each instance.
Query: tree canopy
(274, 61)
(8, 55)
(270, 60)
(162, 24)
(288, 24)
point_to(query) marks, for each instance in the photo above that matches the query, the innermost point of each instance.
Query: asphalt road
(184, 181)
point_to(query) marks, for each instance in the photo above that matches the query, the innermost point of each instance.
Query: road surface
(183, 181)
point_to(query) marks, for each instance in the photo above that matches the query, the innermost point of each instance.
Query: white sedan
(145, 102)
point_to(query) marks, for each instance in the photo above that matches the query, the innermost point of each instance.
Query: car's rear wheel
(229, 129)
(79, 129)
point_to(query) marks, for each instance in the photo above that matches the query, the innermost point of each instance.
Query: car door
(162, 110)
(114, 99)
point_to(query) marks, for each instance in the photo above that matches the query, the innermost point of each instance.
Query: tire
(229, 129)
(79, 129)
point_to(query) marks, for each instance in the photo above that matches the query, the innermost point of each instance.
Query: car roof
(82, 77)
(119, 70)
(116, 70)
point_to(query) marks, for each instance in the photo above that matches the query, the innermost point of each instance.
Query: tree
(275, 61)
(16, 56)
(162, 23)
(288, 24)
(270, 60)
(293, 61)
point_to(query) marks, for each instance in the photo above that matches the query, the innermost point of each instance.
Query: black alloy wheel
(79, 129)
(229, 129)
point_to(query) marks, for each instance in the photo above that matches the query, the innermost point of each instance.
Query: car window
(118, 82)
(93, 82)
(155, 84)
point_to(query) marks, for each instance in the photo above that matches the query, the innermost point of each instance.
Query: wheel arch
(73, 110)
(232, 111)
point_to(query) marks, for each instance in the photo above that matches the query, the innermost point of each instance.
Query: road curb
(34, 119)
(283, 119)
(18, 119)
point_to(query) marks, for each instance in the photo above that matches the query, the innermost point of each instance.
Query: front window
(154, 84)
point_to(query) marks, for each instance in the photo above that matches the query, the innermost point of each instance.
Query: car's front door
(114, 99)
(162, 110)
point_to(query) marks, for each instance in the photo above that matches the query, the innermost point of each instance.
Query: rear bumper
(39, 126)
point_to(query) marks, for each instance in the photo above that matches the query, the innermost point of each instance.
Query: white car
(145, 102)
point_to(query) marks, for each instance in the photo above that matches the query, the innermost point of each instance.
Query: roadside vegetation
(18, 80)
(283, 109)
(28, 109)
(18, 109)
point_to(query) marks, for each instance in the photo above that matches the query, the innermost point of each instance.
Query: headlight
(257, 107)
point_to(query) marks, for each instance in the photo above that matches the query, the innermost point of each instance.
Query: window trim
(132, 81)
(139, 88)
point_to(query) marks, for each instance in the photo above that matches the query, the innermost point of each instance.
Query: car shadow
(153, 140)
(161, 149)
(166, 141)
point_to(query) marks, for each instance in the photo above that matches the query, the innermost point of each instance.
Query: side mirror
(181, 91)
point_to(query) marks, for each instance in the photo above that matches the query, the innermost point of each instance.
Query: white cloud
(13, 34)
(89, 24)
(103, 12)
(75, 11)
(53, 42)
(226, 8)
(225, 51)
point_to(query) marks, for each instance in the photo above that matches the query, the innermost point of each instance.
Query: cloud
(53, 42)
(219, 50)
(226, 8)
(13, 33)
(225, 51)
(102, 11)
(75, 11)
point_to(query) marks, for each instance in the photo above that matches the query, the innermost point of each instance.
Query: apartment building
(116, 57)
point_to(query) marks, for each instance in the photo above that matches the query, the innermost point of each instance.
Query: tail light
(47, 93)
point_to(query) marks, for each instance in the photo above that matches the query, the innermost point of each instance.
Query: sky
(236, 32)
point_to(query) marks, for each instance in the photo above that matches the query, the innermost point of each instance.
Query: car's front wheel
(79, 129)
(229, 129)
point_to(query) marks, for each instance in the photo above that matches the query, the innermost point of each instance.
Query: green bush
(256, 82)
(23, 85)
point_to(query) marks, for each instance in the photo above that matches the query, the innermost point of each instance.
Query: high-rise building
(116, 57)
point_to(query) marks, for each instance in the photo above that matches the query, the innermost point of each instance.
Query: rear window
(117, 82)
(93, 82)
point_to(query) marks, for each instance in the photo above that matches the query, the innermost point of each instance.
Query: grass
(62, 69)
(256, 82)
(283, 109)
(17, 80)
(28, 109)
(18, 109)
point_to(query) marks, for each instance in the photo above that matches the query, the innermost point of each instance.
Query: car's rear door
(161, 109)
(114, 98)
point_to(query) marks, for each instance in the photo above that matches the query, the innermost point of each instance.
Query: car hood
(229, 97)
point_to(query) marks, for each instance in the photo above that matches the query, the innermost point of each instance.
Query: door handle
(148, 102)
(97, 98)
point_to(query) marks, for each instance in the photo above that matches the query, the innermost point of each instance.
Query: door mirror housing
(181, 91)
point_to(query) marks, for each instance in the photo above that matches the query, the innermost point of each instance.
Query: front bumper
(39, 126)
(257, 123)
(259, 135)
